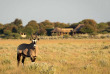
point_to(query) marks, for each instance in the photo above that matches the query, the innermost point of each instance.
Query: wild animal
(28, 50)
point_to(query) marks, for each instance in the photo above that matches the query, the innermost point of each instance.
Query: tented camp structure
(62, 31)
(23, 35)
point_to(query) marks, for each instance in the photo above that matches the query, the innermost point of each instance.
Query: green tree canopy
(34, 25)
(74, 25)
(108, 24)
(11, 27)
(102, 27)
(1, 28)
(87, 29)
(46, 24)
(17, 22)
(28, 30)
(60, 25)
(42, 31)
(90, 26)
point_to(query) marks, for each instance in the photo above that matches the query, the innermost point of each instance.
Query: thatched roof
(23, 35)
(67, 29)
(57, 30)
(78, 27)
(62, 29)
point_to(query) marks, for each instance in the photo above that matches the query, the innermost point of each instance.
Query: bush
(42, 32)
(42, 68)
(7, 32)
(106, 47)
(103, 37)
(65, 36)
(16, 35)
(11, 36)
(103, 63)
(89, 26)
(104, 32)
(5, 61)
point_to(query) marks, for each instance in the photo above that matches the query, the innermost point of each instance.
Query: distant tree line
(13, 29)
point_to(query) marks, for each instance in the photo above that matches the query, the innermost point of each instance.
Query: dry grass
(67, 56)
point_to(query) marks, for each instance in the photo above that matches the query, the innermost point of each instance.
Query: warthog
(28, 50)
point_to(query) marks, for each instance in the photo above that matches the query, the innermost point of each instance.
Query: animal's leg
(18, 57)
(23, 60)
(33, 59)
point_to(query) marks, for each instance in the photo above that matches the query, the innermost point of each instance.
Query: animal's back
(22, 47)
(27, 50)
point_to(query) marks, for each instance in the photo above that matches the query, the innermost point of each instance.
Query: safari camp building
(23, 35)
(77, 29)
(62, 31)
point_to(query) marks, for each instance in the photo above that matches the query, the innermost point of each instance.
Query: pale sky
(67, 11)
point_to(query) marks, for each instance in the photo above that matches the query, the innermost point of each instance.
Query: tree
(34, 25)
(60, 25)
(15, 29)
(87, 29)
(1, 28)
(16, 35)
(7, 32)
(90, 26)
(74, 25)
(28, 30)
(20, 29)
(46, 24)
(102, 26)
(42, 31)
(108, 24)
(17, 22)
(11, 27)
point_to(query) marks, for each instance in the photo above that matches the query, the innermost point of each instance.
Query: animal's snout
(34, 42)
(34, 45)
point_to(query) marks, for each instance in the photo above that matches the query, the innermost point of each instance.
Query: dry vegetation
(67, 56)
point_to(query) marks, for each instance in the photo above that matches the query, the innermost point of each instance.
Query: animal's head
(34, 39)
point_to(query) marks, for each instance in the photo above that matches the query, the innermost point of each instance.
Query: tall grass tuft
(103, 63)
(42, 68)
(1, 47)
(106, 47)
(5, 61)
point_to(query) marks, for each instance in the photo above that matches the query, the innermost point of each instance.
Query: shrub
(7, 32)
(65, 36)
(42, 68)
(103, 63)
(106, 47)
(102, 37)
(5, 61)
(16, 35)
(1, 47)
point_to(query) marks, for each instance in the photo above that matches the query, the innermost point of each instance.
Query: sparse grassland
(67, 56)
